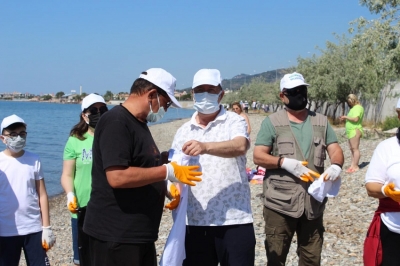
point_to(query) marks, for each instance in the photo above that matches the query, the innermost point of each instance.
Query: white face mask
(154, 117)
(16, 144)
(206, 103)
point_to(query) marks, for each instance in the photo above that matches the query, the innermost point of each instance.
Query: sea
(48, 127)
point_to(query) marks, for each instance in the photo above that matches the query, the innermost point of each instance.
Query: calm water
(48, 130)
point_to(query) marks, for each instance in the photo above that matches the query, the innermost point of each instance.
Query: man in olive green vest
(292, 145)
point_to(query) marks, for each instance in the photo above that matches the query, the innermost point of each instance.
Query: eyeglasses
(94, 110)
(166, 97)
(295, 91)
(13, 135)
(169, 104)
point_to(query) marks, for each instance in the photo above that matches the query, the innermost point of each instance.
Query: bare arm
(131, 177)
(335, 153)
(248, 123)
(374, 190)
(43, 202)
(226, 149)
(351, 119)
(68, 174)
(262, 157)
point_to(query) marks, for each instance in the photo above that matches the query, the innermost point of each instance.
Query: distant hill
(238, 81)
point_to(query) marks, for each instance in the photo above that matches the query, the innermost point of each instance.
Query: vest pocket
(286, 146)
(319, 151)
(281, 195)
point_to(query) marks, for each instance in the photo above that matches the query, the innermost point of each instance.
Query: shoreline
(346, 218)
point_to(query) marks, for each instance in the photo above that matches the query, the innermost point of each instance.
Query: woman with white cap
(76, 177)
(382, 244)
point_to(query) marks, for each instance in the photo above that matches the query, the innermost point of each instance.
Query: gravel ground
(346, 217)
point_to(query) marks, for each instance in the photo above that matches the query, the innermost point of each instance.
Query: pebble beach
(346, 218)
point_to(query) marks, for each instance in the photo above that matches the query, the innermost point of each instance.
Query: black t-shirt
(129, 215)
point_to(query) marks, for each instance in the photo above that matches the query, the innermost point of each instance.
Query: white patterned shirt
(223, 195)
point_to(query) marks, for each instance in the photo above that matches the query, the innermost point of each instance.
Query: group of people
(112, 166)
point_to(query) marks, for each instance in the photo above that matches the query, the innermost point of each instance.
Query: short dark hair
(14, 126)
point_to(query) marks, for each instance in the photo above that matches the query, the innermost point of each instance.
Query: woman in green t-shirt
(76, 178)
(354, 130)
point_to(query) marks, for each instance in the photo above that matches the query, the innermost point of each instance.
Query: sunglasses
(94, 110)
(295, 91)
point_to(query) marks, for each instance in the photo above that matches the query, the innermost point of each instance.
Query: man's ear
(221, 96)
(151, 94)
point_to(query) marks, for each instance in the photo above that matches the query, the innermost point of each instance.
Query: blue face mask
(154, 117)
(206, 103)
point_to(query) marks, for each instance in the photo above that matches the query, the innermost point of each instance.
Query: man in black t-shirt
(128, 179)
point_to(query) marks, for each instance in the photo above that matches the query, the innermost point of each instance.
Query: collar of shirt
(220, 117)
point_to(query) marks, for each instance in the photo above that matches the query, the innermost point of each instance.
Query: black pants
(390, 247)
(228, 245)
(83, 240)
(105, 253)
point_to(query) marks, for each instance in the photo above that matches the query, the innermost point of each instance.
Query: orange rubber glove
(71, 202)
(176, 198)
(299, 169)
(389, 191)
(183, 174)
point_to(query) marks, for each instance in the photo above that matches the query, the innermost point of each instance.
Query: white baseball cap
(206, 77)
(164, 81)
(91, 99)
(398, 104)
(9, 120)
(290, 81)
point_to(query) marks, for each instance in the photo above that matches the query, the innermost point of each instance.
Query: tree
(108, 96)
(47, 97)
(59, 94)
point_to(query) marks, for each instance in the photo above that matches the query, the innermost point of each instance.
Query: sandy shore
(346, 218)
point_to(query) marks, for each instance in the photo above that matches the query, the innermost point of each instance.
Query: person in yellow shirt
(354, 130)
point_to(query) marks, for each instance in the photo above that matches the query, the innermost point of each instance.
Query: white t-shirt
(384, 168)
(19, 200)
(223, 195)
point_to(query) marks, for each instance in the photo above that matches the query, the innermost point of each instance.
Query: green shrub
(390, 122)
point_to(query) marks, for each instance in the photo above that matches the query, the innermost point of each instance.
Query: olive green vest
(284, 192)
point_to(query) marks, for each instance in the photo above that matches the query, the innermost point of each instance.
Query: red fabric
(372, 245)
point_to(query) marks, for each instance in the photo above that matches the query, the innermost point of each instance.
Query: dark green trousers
(279, 231)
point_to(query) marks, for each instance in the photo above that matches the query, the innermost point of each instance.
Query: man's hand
(388, 191)
(176, 197)
(332, 173)
(71, 202)
(183, 174)
(48, 239)
(298, 169)
(193, 148)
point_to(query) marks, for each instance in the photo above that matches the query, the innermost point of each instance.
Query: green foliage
(108, 96)
(186, 97)
(390, 122)
(47, 97)
(59, 94)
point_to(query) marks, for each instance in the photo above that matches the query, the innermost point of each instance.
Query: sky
(52, 46)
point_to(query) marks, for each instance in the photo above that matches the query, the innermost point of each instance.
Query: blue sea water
(48, 129)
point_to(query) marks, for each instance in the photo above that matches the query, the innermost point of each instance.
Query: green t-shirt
(81, 152)
(356, 111)
(302, 132)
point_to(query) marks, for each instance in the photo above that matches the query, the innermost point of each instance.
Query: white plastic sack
(174, 250)
(320, 189)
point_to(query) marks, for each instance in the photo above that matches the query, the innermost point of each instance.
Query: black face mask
(297, 98)
(93, 119)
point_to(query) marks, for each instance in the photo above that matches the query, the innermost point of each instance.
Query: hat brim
(294, 85)
(175, 102)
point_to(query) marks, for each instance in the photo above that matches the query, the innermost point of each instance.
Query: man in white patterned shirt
(219, 218)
